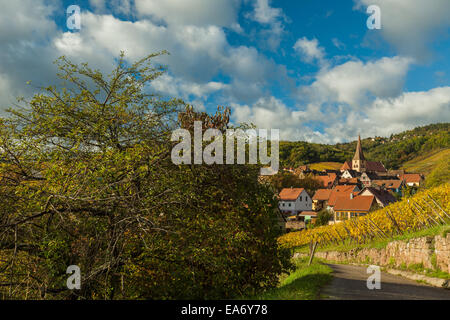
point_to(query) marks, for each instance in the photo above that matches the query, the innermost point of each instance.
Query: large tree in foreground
(87, 180)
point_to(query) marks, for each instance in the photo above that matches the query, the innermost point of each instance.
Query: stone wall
(431, 252)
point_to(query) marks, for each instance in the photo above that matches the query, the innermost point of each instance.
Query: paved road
(350, 283)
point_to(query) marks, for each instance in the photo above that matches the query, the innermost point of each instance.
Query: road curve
(350, 283)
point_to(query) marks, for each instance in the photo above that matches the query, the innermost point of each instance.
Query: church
(360, 164)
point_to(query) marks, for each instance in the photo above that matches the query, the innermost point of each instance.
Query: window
(300, 198)
(289, 204)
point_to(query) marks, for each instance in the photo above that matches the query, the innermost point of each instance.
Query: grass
(419, 268)
(302, 284)
(426, 163)
(325, 165)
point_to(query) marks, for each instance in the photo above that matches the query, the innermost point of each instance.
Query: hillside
(325, 165)
(426, 163)
(393, 151)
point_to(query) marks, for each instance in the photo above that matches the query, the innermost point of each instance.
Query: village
(359, 187)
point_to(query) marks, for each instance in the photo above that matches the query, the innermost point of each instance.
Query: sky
(310, 68)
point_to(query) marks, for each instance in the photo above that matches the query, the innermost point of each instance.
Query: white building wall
(302, 203)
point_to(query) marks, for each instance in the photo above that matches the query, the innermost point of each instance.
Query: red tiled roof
(390, 184)
(411, 177)
(384, 196)
(290, 194)
(349, 180)
(340, 191)
(327, 180)
(346, 166)
(308, 213)
(322, 194)
(358, 203)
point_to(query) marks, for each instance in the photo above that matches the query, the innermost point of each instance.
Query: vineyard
(426, 209)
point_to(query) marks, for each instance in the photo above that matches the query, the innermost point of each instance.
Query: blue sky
(309, 68)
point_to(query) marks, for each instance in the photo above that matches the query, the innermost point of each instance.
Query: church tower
(359, 162)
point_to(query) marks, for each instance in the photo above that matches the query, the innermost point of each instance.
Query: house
(320, 199)
(328, 181)
(382, 197)
(339, 191)
(308, 216)
(294, 200)
(367, 178)
(412, 179)
(393, 185)
(349, 174)
(350, 206)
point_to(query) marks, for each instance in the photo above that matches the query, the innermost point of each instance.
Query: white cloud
(174, 87)
(355, 83)
(272, 113)
(411, 25)
(221, 13)
(409, 110)
(272, 18)
(310, 50)
(198, 54)
(264, 13)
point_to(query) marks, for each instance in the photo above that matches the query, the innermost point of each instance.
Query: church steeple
(359, 162)
(359, 153)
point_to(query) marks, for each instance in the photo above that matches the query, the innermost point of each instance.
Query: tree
(323, 217)
(87, 180)
(286, 179)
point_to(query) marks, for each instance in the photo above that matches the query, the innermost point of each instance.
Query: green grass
(426, 163)
(420, 269)
(302, 284)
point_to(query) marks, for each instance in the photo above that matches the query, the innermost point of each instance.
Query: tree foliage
(286, 179)
(87, 180)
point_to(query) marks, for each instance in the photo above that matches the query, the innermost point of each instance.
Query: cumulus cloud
(175, 87)
(272, 18)
(410, 109)
(197, 53)
(264, 13)
(198, 45)
(272, 113)
(310, 50)
(411, 25)
(222, 13)
(355, 83)
(25, 50)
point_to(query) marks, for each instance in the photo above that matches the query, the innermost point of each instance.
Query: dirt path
(350, 283)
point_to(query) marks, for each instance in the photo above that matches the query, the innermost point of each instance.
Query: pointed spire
(359, 153)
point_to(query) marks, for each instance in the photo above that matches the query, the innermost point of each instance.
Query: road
(350, 283)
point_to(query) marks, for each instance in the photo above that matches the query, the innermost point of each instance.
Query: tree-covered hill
(393, 151)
